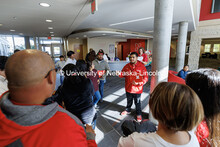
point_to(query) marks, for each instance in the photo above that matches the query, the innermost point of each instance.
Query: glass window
(56, 50)
(215, 6)
(32, 43)
(207, 47)
(19, 42)
(216, 48)
(47, 49)
(6, 45)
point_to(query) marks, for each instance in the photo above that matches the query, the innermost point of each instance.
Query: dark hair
(3, 60)
(206, 83)
(17, 50)
(186, 65)
(72, 74)
(81, 65)
(134, 53)
(69, 53)
(89, 65)
(61, 56)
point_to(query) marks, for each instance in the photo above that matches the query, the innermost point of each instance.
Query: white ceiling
(30, 16)
(74, 15)
(117, 11)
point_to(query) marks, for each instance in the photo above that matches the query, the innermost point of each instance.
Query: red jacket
(137, 73)
(40, 126)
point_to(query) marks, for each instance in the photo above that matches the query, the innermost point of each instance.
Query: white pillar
(181, 46)
(163, 17)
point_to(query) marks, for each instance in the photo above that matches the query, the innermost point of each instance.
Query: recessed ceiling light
(1, 24)
(21, 34)
(84, 35)
(12, 30)
(51, 32)
(49, 20)
(50, 28)
(77, 37)
(103, 34)
(44, 4)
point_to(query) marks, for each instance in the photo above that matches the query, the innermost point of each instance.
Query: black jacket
(76, 93)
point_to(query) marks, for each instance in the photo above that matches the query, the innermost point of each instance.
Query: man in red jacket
(136, 76)
(25, 119)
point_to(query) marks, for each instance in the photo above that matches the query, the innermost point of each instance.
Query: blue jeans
(101, 88)
(96, 97)
(61, 79)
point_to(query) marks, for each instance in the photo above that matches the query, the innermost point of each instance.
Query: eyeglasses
(49, 72)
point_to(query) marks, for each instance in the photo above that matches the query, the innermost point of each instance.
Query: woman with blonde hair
(178, 110)
(206, 83)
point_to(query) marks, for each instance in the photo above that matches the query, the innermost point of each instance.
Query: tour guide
(136, 76)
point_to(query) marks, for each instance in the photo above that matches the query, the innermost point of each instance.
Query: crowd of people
(32, 114)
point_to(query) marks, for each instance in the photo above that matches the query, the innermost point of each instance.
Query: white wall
(103, 43)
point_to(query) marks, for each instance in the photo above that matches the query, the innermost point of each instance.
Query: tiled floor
(108, 130)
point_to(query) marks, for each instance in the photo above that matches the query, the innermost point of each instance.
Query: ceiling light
(130, 21)
(52, 35)
(150, 31)
(1, 24)
(21, 34)
(12, 30)
(49, 20)
(77, 37)
(51, 32)
(50, 28)
(85, 36)
(103, 34)
(44, 4)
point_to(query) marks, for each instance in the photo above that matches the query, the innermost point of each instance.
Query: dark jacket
(76, 93)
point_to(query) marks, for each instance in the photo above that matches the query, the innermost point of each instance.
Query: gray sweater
(103, 65)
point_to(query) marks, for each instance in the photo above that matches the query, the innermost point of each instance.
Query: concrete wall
(206, 29)
(103, 43)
